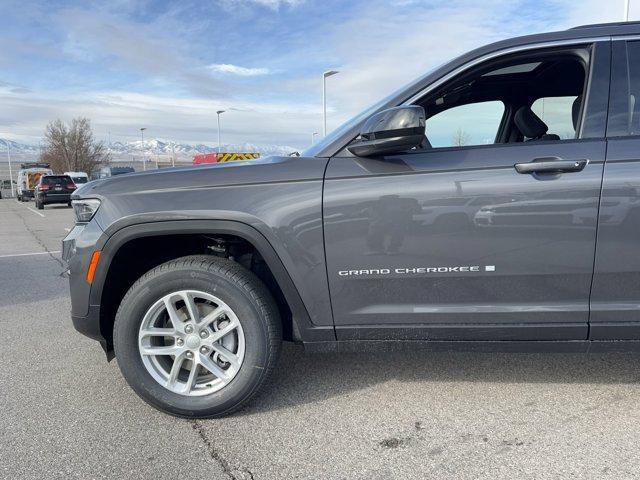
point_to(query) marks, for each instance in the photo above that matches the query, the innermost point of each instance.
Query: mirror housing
(390, 131)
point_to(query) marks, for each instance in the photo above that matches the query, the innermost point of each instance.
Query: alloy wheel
(191, 343)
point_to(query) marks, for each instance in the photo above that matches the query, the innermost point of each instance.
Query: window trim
(507, 51)
(503, 145)
(338, 147)
(615, 42)
(590, 67)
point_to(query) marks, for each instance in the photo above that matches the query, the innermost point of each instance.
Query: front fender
(115, 238)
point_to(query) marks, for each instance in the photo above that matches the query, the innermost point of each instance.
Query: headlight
(85, 209)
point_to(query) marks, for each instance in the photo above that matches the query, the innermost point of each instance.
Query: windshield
(79, 179)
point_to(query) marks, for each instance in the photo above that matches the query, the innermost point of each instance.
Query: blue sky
(169, 66)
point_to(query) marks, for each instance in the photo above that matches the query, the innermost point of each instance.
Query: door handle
(551, 165)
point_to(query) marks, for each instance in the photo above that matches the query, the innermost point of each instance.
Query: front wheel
(198, 336)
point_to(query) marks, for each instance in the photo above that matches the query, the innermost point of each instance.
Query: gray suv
(493, 204)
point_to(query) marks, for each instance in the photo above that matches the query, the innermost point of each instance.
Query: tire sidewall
(129, 318)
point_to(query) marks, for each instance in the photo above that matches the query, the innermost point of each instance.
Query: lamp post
(144, 162)
(219, 112)
(626, 10)
(326, 74)
(313, 137)
(10, 171)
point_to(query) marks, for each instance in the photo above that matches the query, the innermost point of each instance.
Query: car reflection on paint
(569, 211)
(450, 212)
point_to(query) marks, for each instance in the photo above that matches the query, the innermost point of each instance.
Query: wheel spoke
(232, 358)
(193, 375)
(192, 308)
(172, 312)
(212, 316)
(233, 324)
(160, 350)
(157, 332)
(214, 368)
(175, 371)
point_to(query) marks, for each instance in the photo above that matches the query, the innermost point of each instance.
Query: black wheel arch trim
(305, 329)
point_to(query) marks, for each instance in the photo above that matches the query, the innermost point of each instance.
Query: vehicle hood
(242, 172)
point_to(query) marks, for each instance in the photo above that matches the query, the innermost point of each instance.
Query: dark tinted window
(56, 179)
(624, 115)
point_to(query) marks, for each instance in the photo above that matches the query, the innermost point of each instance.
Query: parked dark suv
(492, 204)
(53, 189)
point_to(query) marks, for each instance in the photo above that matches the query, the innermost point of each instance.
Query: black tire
(39, 205)
(237, 287)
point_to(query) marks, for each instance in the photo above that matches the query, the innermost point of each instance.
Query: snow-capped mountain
(153, 147)
(18, 148)
(156, 146)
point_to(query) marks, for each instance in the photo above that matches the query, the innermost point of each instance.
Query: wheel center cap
(192, 341)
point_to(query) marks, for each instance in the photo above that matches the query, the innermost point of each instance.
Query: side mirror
(393, 130)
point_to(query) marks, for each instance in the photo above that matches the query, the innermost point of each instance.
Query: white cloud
(379, 49)
(183, 119)
(120, 43)
(272, 4)
(237, 70)
(395, 46)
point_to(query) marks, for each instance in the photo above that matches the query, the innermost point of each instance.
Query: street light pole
(326, 74)
(626, 10)
(144, 162)
(313, 137)
(219, 112)
(10, 171)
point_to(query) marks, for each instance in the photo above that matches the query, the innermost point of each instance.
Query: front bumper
(89, 326)
(77, 248)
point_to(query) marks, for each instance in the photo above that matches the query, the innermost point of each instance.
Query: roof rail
(611, 24)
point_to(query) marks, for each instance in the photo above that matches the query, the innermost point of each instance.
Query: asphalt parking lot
(67, 413)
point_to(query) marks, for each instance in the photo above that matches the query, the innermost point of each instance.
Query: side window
(464, 125)
(624, 117)
(559, 113)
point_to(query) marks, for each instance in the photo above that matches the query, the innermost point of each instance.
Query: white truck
(78, 177)
(28, 177)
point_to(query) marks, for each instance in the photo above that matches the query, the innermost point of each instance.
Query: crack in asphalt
(233, 473)
(227, 468)
(39, 241)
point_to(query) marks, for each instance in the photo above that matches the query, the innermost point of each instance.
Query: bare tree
(71, 147)
(461, 138)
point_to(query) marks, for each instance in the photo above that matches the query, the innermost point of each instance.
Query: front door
(454, 242)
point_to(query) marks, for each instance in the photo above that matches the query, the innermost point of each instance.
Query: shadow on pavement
(303, 379)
